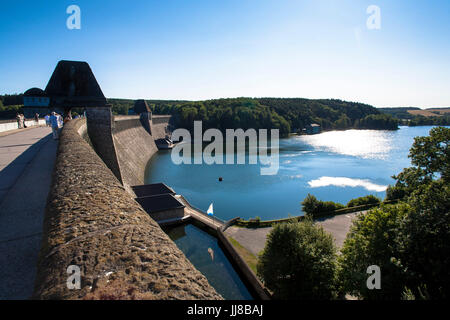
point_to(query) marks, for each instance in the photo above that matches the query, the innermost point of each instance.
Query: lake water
(336, 166)
(203, 251)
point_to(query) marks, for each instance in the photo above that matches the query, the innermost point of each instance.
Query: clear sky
(204, 49)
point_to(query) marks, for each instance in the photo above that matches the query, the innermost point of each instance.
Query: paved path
(252, 239)
(26, 163)
(16, 152)
(255, 239)
(197, 214)
(339, 226)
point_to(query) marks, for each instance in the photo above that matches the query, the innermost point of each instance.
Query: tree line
(428, 121)
(287, 115)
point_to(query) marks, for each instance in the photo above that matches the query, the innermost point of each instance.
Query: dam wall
(94, 224)
(134, 147)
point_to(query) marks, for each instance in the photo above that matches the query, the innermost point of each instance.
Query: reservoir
(204, 252)
(335, 165)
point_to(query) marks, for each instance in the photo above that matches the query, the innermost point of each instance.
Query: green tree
(431, 154)
(372, 241)
(188, 116)
(343, 122)
(299, 262)
(316, 208)
(423, 241)
(370, 199)
(430, 157)
(310, 204)
(379, 121)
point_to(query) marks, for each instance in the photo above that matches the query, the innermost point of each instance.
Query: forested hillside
(329, 113)
(288, 115)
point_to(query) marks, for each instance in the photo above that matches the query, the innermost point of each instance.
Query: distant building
(35, 100)
(35, 97)
(313, 128)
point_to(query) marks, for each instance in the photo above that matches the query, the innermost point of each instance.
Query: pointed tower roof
(141, 106)
(73, 84)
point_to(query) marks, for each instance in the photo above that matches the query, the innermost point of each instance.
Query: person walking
(36, 118)
(54, 122)
(19, 121)
(47, 120)
(24, 125)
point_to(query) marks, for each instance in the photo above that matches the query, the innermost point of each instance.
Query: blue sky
(204, 49)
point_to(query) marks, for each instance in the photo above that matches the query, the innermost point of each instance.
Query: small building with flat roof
(159, 201)
(154, 189)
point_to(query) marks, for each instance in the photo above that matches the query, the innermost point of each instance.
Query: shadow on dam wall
(134, 147)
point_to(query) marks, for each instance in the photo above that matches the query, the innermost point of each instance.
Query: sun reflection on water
(367, 144)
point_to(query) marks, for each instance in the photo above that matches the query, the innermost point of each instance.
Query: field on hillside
(437, 112)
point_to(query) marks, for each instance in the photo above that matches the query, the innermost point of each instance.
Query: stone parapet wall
(100, 125)
(93, 223)
(7, 125)
(122, 123)
(157, 119)
(82, 130)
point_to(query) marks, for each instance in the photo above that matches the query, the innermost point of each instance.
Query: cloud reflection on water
(346, 182)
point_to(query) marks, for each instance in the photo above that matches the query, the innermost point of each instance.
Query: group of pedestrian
(21, 120)
(53, 120)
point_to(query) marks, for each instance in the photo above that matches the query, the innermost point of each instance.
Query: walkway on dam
(197, 214)
(254, 240)
(26, 164)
